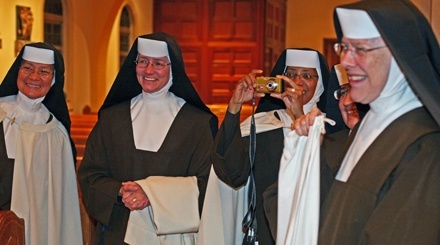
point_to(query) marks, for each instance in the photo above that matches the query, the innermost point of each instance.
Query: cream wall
(431, 9)
(435, 16)
(309, 22)
(95, 46)
(8, 29)
(90, 42)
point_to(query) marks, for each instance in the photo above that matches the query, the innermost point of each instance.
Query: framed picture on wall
(24, 23)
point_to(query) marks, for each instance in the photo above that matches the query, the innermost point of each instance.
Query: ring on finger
(134, 200)
(293, 90)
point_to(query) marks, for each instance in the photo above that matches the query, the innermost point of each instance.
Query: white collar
(28, 104)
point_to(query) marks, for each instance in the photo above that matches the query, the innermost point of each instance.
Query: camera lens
(271, 85)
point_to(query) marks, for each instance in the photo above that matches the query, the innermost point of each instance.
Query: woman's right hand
(244, 91)
(133, 196)
(302, 125)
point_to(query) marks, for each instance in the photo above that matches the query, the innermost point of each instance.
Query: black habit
(231, 151)
(111, 157)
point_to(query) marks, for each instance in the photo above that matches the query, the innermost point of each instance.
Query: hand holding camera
(244, 91)
(269, 85)
(251, 86)
(291, 95)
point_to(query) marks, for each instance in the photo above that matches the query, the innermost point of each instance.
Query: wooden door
(275, 32)
(221, 40)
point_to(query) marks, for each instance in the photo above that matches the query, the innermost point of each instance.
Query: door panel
(222, 40)
(227, 67)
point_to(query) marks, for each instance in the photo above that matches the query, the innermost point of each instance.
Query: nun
(146, 163)
(348, 108)
(386, 186)
(304, 73)
(37, 165)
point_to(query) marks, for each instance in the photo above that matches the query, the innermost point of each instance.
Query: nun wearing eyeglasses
(304, 74)
(37, 155)
(146, 163)
(386, 189)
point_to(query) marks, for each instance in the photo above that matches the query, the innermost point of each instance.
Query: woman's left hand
(292, 97)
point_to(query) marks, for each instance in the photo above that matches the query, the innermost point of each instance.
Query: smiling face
(348, 108)
(367, 74)
(34, 79)
(150, 78)
(306, 78)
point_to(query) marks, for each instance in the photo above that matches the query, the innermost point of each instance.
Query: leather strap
(249, 222)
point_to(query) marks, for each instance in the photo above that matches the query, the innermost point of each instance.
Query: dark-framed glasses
(339, 93)
(342, 48)
(157, 65)
(29, 70)
(302, 76)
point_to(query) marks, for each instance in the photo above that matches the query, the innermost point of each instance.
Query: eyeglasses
(341, 48)
(157, 65)
(302, 76)
(29, 70)
(339, 93)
